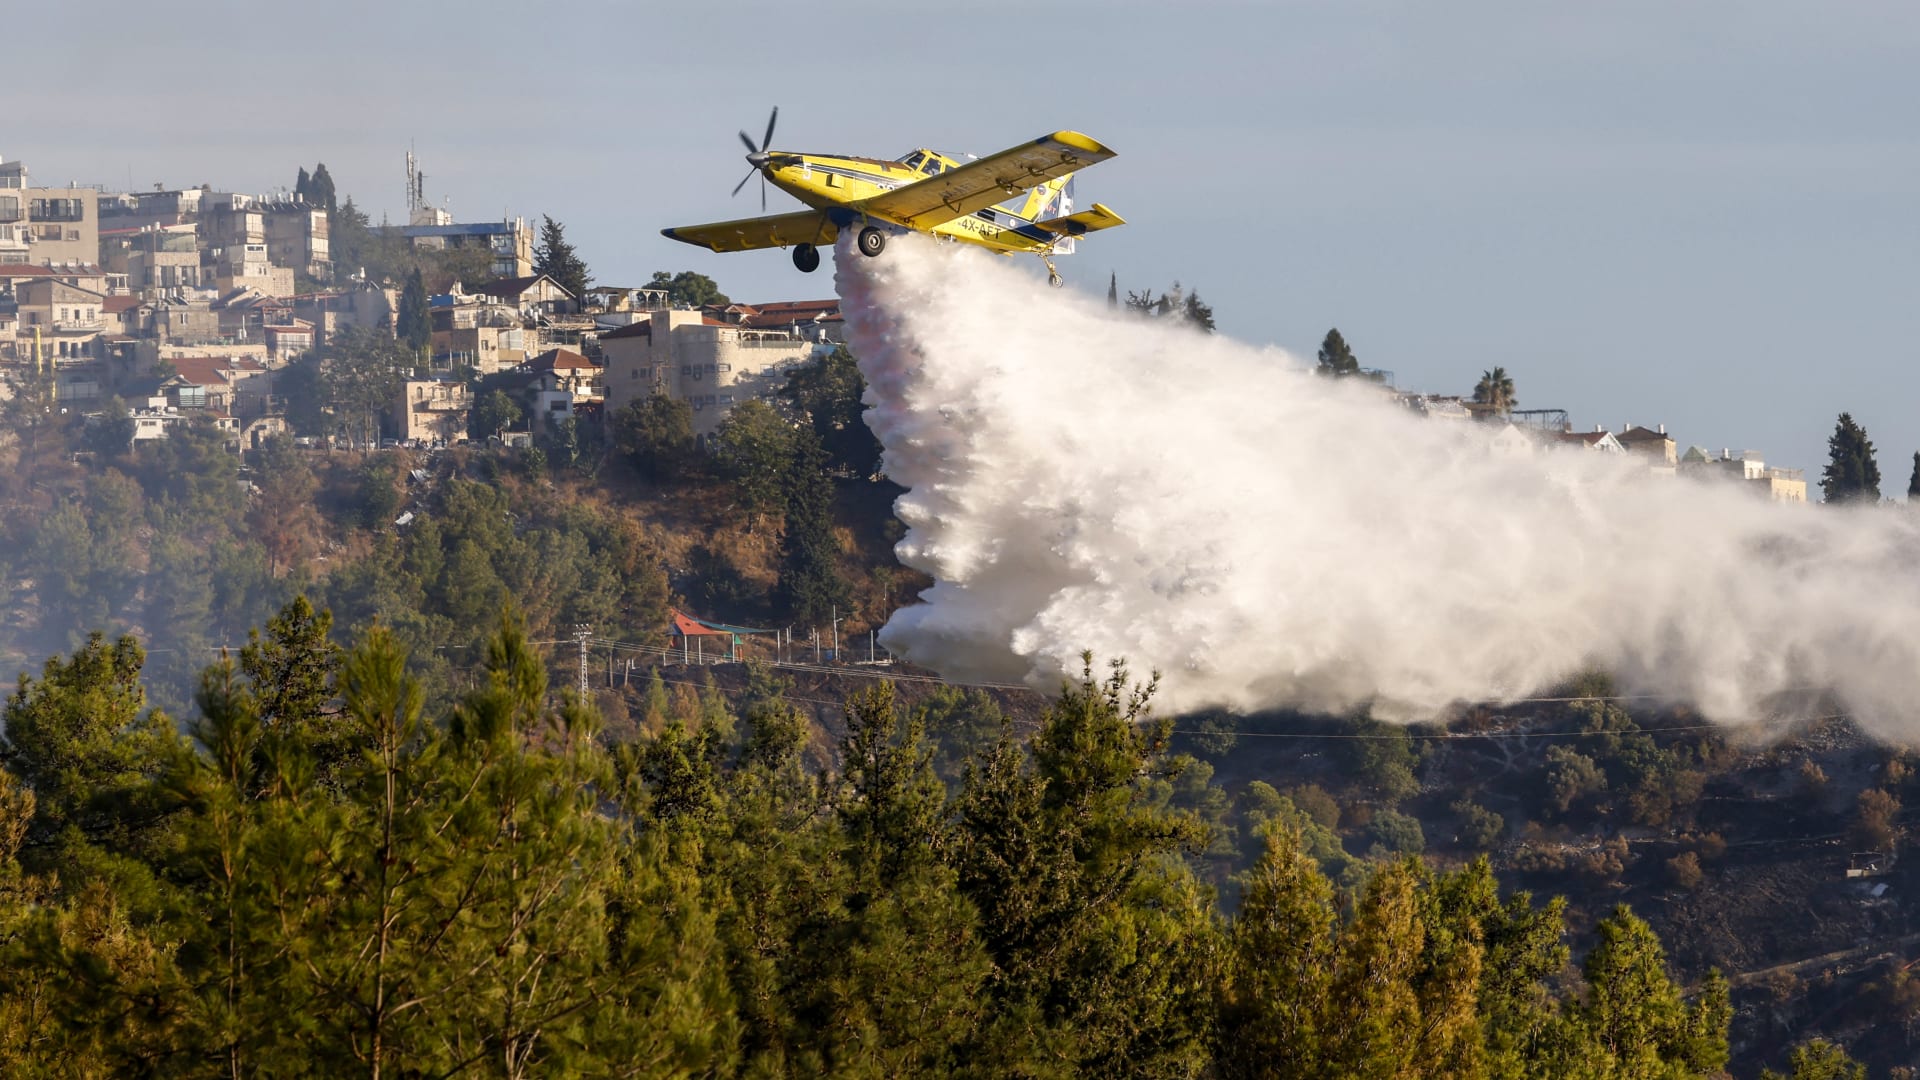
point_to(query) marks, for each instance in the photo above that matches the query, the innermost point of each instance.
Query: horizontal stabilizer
(1082, 223)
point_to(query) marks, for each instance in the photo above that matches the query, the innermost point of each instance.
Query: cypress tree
(320, 188)
(810, 585)
(413, 323)
(1913, 483)
(303, 186)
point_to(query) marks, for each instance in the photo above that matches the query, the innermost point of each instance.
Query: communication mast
(416, 185)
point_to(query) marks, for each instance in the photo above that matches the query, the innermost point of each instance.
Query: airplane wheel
(806, 258)
(872, 242)
(1057, 281)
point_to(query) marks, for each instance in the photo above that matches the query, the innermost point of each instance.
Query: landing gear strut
(872, 241)
(806, 258)
(1053, 276)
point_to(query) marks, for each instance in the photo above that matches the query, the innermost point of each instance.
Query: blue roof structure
(483, 228)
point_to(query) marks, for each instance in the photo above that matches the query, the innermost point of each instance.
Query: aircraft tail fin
(1049, 199)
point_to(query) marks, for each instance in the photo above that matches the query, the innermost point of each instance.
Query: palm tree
(1496, 389)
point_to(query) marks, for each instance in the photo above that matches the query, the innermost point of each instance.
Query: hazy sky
(1697, 214)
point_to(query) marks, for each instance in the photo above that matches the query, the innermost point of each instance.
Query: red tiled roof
(561, 360)
(213, 370)
(114, 305)
(795, 307)
(788, 312)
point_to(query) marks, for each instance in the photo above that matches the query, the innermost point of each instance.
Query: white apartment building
(709, 364)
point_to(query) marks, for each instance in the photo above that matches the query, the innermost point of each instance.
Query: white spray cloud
(1082, 479)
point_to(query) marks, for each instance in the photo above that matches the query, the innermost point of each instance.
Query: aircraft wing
(980, 184)
(748, 234)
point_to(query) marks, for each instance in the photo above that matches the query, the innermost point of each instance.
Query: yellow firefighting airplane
(978, 201)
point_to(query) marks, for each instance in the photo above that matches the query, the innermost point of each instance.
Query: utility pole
(580, 632)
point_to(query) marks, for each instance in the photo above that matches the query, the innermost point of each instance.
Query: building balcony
(79, 326)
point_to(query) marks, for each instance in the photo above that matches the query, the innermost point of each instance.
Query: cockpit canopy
(926, 162)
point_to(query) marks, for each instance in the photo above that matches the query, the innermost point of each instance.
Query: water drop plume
(1079, 478)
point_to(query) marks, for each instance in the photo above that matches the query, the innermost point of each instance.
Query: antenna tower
(415, 180)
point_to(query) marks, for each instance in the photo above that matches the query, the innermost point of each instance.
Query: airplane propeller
(757, 157)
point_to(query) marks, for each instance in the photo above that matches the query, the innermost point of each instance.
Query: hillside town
(193, 303)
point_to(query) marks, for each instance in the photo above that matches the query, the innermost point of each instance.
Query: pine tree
(76, 736)
(290, 672)
(830, 391)
(809, 586)
(1336, 359)
(1634, 1012)
(1064, 854)
(1818, 1059)
(1851, 475)
(1273, 997)
(1199, 315)
(413, 323)
(555, 257)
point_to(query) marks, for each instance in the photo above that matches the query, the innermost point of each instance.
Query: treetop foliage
(325, 874)
(1176, 304)
(1495, 388)
(316, 188)
(1851, 475)
(555, 257)
(1336, 357)
(688, 289)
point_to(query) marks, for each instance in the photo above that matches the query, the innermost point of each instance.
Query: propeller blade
(763, 193)
(743, 182)
(748, 139)
(768, 141)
